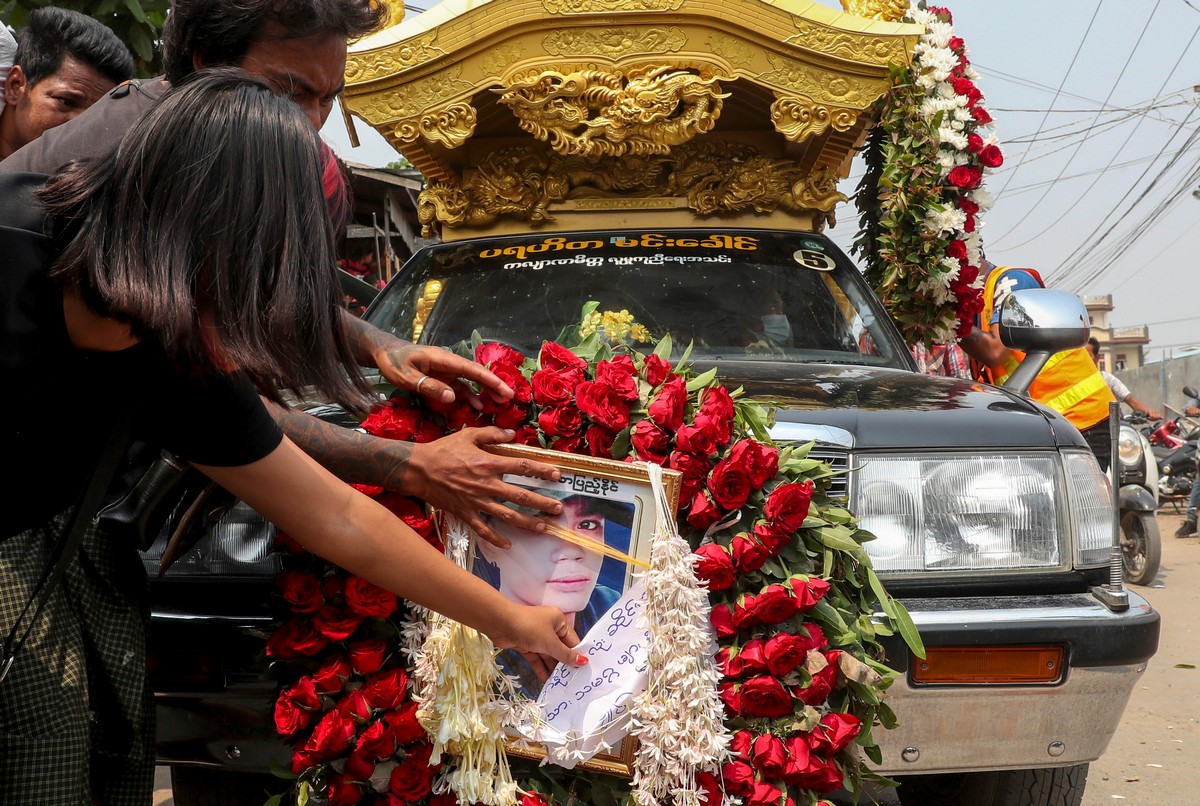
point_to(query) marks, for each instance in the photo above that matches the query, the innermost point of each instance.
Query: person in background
(65, 61)
(947, 360)
(8, 51)
(1070, 383)
(1120, 391)
(299, 47)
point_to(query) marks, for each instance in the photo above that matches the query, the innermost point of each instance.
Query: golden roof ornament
(888, 10)
(565, 114)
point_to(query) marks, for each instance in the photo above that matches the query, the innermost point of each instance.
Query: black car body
(992, 520)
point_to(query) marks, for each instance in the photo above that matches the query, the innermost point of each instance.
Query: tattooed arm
(454, 473)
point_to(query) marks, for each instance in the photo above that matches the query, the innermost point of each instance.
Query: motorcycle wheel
(1141, 547)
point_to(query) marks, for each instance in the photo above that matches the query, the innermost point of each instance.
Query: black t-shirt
(58, 400)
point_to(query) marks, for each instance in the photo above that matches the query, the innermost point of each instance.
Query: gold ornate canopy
(583, 113)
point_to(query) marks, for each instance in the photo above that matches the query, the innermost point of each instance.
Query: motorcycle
(1138, 483)
(1174, 445)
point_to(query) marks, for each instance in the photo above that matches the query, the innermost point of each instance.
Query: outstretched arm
(454, 473)
(985, 346)
(405, 364)
(1138, 405)
(348, 528)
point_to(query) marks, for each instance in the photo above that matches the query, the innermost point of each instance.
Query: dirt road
(1154, 759)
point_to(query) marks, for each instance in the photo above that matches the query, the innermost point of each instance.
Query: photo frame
(604, 499)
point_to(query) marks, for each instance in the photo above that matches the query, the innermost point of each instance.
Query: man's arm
(1138, 405)
(985, 346)
(454, 473)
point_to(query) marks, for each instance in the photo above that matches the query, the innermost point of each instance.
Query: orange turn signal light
(984, 665)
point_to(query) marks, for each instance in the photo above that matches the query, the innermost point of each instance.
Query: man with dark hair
(299, 46)
(64, 62)
(1120, 391)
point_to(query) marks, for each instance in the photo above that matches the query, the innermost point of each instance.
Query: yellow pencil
(563, 533)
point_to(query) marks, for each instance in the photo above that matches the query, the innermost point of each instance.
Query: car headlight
(1089, 500)
(1129, 447)
(241, 544)
(949, 512)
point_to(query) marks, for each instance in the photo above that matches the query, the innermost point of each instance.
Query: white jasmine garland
(679, 718)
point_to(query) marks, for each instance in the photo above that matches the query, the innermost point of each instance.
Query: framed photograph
(607, 505)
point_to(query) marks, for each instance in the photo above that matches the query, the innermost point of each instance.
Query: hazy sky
(1097, 109)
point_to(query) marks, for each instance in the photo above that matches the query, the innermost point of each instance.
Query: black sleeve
(220, 421)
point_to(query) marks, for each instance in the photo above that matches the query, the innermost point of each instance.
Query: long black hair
(211, 211)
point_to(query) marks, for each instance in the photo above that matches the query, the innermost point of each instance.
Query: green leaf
(140, 42)
(908, 630)
(663, 348)
(885, 601)
(135, 8)
(683, 359)
(702, 380)
(837, 537)
(621, 444)
(305, 791)
(589, 308)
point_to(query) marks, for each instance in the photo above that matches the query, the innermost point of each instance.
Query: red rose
(602, 405)
(967, 206)
(819, 774)
(511, 375)
(332, 675)
(655, 370)
(763, 794)
(368, 599)
(344, 791)
(444, 799)
(403, 724)
(290, 716)
(386, 689)
(301, 761)
(562, 421)
(743, 612)
(721, 617)
(337, 623)
(741, 743)
(749, 659)
(991, 156)
(714, 566)
(491, 351)
(531, 799)
(369, 490)
(784, 652)
(822, 684)
(600, 441)
(809, 591)
(703, 512)
(964, 176)
(717, 402)
(649, 441)
(691, 465)
(774, 604)
(739, 777)
(798, 752)
(787, 505)
(294, 639)
(957, 250)
(570, 444)
(301, 591)
(815, 636)
(411, 780)
(395, 419)
(377, 741)
(554, 388)
(330, 737)
(359, 766)
(526, 435)
(555, 357)
(710, 788)
(730, 484)
(666, 409)
(367, 655)
(355, 706)
(981, 115)
(974, 143)
(772, 537)
(511, 416)
(762, 461)
(765, 696)
(410, 510)
(619, 376)
(748, 554)
(625, 364)
(834, 732)
(694, 439)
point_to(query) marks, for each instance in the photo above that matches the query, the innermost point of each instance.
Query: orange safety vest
(1070, 383)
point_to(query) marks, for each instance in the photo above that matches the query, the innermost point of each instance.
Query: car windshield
(746, 296)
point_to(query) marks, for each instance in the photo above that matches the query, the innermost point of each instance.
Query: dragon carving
(593, 113)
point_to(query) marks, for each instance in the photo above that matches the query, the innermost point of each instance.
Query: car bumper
(948, 728)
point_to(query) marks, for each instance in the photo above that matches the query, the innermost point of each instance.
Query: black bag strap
(84, 513)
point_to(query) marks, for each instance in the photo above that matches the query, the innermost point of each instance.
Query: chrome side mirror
(1040, 322)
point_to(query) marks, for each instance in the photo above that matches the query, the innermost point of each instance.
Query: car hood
(891, 408)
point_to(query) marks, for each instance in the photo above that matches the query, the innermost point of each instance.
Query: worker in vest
(1070, 383)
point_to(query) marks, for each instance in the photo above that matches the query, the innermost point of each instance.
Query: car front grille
(839, 460)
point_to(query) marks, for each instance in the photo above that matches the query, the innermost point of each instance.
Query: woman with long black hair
(182, 277)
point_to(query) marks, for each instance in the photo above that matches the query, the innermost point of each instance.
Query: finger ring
(423, 379)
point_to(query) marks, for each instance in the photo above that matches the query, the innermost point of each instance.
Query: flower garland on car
(921, 198)
(791, 591)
